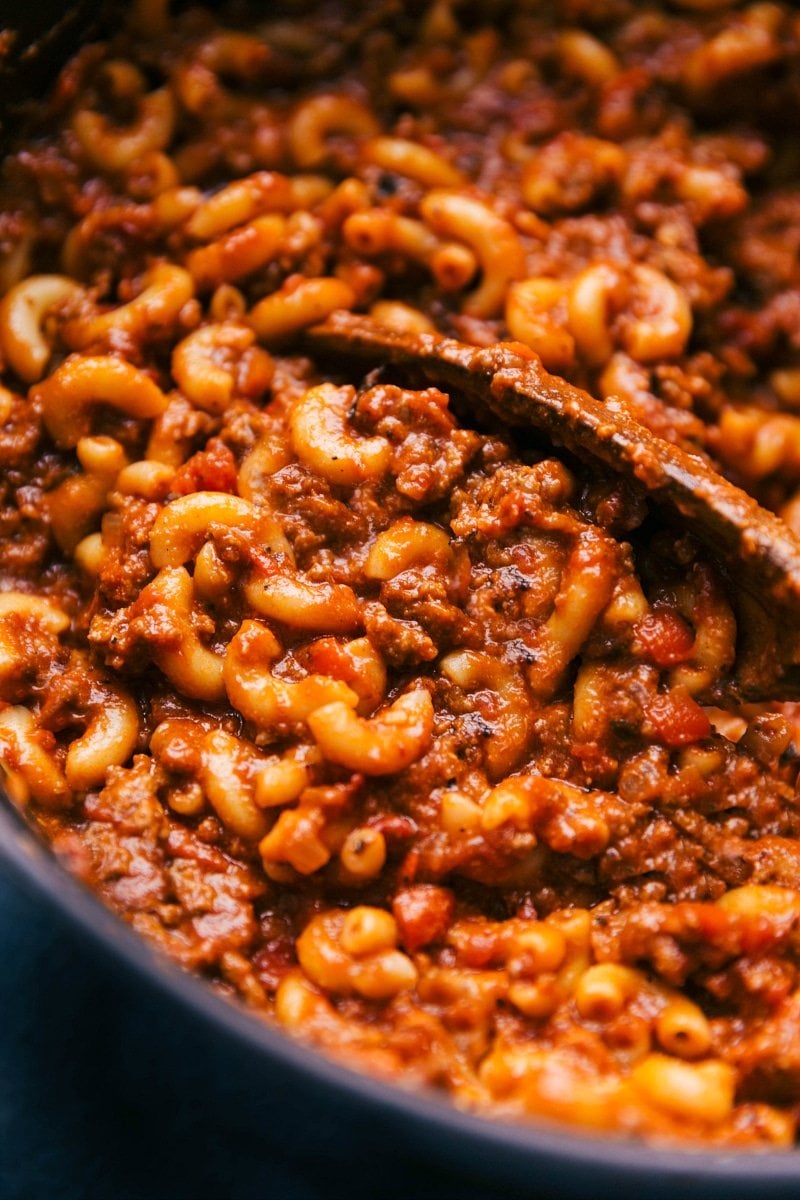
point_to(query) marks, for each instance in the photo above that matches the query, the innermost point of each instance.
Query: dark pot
(248, 1081)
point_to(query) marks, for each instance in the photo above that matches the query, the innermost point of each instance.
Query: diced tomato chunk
(665, 637)
(211, 470)
(423, 914)
(677, 720)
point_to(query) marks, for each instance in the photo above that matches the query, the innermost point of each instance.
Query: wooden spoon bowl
(756, 550)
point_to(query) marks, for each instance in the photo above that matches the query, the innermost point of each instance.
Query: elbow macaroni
(411, 734)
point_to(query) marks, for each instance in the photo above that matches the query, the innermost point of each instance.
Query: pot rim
(571, 1155)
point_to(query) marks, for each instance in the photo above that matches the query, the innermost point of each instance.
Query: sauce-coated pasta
(419, 739)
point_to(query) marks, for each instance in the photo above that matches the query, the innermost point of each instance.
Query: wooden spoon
(758, 552)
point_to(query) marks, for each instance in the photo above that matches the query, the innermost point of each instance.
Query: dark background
(110, 1091)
